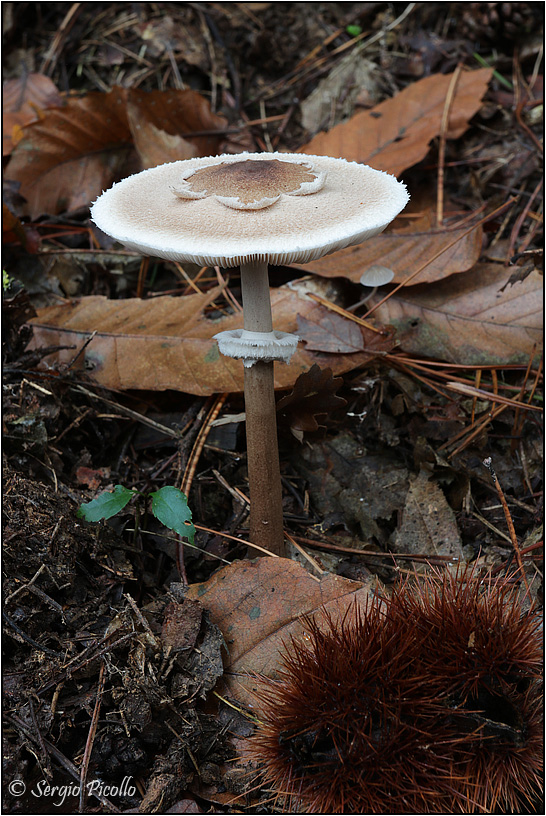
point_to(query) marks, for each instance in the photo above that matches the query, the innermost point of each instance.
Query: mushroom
(250, 210)
(373, 277)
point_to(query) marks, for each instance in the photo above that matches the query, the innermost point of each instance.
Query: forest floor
(382, 457)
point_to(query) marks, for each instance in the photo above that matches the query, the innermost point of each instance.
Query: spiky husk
(429, 703)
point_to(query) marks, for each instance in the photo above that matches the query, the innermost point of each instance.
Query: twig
(189, 472)
(25, 585)
(47, 758)
(521, 218)
(129, 412)
(80, 350)
(28, 639)
(325, 545)
(517, 423)
(442, 146)
(509, 523)
(333, 307)
(91, 738)
(234, 538)
(68, 669)
(142, 620)
(51, 55)
(142, 275)
(476, 432)
(480, 393)
(305, 555)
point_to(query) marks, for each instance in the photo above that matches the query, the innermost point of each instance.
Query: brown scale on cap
(250, 184)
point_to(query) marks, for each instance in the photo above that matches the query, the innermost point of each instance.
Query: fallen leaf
(334, 96)
(330, 333)
(258, 607)
(181, 39)
(69, 157)
(469, 318)
(396, 134)
(181, 625)
(404, 252)
(14, 231)
(167, 342)
(352, 488)
(24, 100)
(428, 525)
(313, 397)
(162, 124)
(90, 477)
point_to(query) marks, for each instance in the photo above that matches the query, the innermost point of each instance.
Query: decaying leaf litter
(112, 663)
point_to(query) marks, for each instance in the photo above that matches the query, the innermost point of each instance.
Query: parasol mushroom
(250, 210)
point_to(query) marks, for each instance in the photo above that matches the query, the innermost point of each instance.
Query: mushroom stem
(264, 474)
(256, 298)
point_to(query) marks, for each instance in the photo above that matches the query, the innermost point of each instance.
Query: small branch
(509, 523)
(91, 738)
(442, 146)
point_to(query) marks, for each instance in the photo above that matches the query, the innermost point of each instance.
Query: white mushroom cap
(286, 214)
(376, 276)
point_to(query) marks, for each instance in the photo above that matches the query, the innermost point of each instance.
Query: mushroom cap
(295, 209)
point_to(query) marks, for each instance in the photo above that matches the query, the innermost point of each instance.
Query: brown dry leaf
(396, 134)
(181, 625)
(258, 607)
(314, 397)
(72, 154)
(468, 318)
(404, 251)
(166, 342)
(330, 333)
(428, 525)
(184, 40)
(24, 100)
(68, 158)
(13, 230)
(162, 123)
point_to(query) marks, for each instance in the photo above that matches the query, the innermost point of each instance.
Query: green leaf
(353, 30)
(106, 505)
(170, 507)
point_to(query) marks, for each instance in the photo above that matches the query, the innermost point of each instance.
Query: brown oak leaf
(313, 398)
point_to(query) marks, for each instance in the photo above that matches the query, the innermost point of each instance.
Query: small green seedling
(169, 506)
(354, 30)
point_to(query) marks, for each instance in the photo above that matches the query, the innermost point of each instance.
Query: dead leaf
(468, 318)
(183, 39)
(396, 134)
(313, 398)
(404, 251)
(258, 607)
(181, 625)
(428, 525)
(334, 96)
(13, 231)
(330, 333)
(68, 158)
(166, 342)
(71, 155)
(24, 100)
(352, 488)
(90, 477)
(162, 124)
